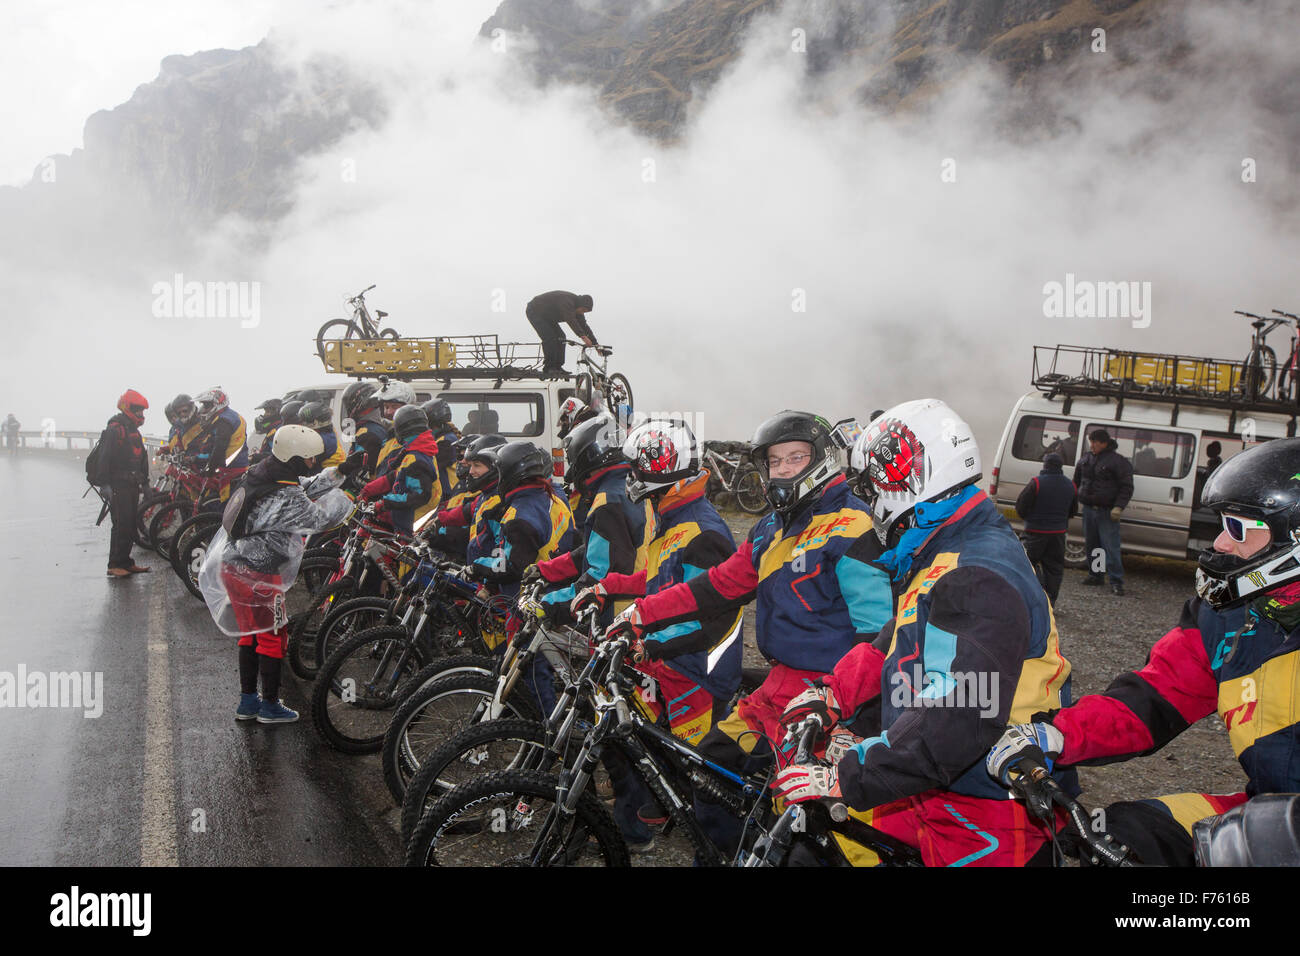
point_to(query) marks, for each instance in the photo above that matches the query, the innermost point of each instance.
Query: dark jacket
(125, 461)
(1105, 480)
(559, 307)
(1049, 501)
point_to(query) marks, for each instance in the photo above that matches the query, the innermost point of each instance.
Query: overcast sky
(912, 284)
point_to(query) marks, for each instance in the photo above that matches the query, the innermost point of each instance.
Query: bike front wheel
(511, 819)
(750, 494)
(336, 329)
(620, 392)
(360, 685)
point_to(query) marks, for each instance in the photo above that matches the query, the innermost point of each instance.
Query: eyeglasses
(797, 460)
(1237, 527)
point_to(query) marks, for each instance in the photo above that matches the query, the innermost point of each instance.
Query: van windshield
(1036, 435)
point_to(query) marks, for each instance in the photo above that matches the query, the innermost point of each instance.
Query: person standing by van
(1104, 479)
(1047, 503)
(12, 427)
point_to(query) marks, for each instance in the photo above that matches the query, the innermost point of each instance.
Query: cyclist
(572, 414)
(814, 600)
(972, 644)
(187, 427)
(124, 464)
(392, 396)
(223, 451)
(267, 421)
(531, 523)
(407, 483)
(1234, 652)
(254, 560)
(613, 531)
(369, 432)
(453, 538)
(317, 417)
(438, 412)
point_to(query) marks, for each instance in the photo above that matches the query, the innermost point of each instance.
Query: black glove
(352, 464)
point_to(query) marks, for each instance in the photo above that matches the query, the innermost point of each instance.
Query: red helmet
(132, 404)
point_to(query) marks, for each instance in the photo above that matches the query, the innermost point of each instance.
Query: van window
(1036, 435)
(488, 413)
(1154, 453)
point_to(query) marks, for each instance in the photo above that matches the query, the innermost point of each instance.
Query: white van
(1164, 433)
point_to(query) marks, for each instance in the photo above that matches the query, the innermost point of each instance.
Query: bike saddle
(1265, 831)
(381, 313)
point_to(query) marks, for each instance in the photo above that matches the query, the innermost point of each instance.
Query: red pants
(257, 602)
(952, 829)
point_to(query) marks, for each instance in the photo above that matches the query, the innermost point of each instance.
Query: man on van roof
(545, 312)
(1104, 478)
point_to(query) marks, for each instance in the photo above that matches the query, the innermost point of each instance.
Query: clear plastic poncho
(244, 582)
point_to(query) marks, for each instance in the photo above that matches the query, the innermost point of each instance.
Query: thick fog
(793, 249)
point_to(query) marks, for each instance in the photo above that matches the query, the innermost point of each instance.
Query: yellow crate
(391, 356)
(1159, 370)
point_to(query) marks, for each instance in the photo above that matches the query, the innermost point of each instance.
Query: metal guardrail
(50, 441)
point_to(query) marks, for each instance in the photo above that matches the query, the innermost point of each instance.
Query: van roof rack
(1177, 380)
(451, 358)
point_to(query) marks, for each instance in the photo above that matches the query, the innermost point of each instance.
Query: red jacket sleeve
(729, 584)
(1142, 711)
(856, 678)
(624, 585)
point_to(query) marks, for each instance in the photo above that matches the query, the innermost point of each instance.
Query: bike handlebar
(1031, 780)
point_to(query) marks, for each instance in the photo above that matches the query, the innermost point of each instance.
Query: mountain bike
(734, 474)
(370, 674)
(1259, 371)
(360, 326)
(1264, 831)
(614, 389)
(532, 818)
(437, 711)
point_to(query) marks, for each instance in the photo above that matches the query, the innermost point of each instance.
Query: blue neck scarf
(929, 515)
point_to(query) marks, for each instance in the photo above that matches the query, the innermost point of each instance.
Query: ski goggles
(1237, 527)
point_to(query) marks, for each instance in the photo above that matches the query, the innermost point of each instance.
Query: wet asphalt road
(165, 775)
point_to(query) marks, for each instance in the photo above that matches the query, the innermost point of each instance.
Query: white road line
(158, 804)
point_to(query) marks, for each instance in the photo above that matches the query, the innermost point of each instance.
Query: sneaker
(1094, 581)
(250, 705)
(645, 847)
(138, 569)
(652, 815)
(274, 712)
(118, 572)
(1117, 588)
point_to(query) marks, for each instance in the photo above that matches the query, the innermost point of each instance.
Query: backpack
(95, 473)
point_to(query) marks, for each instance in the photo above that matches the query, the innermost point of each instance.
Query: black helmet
(270, 416)
(408, 422)
(484, 449)
(1262, 483)
(595, 444)
(358, 398)
(308, 395)
(520, 461)
(315, 415)
(179, 404)
(289, 413)
(437, 411)
(787, 494)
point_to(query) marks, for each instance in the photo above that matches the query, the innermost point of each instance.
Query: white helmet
(396, 392)
(663, 453)
(296, 441)
(915, 452)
